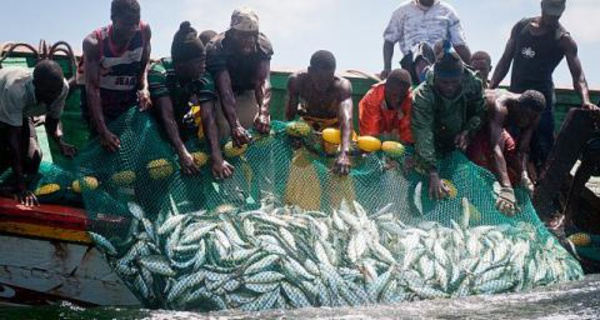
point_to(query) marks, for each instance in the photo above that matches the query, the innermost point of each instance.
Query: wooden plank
(47, 215)
(94, 265)
(44, 271)
(83, 291)
(44, 232)
(59, 257)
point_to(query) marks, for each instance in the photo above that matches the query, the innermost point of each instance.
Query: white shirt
(17, 97)
(413, 23)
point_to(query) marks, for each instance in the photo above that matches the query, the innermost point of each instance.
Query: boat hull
(46, 257)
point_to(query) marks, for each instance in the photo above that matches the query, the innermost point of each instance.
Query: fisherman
(416, 21)
(494, 148)
(447, 110)
(23, 95)
(239, 61)
(174, 82)
(536, 46)
(481, 62)
(114, 70)
(385, 110)
(324, 100)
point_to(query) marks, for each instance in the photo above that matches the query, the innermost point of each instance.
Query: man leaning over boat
(324, 100)
(448, 108)
(511, 117)
(114, 70)
(23, 95)
(176, 81)
(239, 61)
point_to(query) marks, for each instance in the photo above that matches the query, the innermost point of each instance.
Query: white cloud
(582, 19)
(278, 19)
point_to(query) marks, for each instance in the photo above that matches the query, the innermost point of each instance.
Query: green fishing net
(285, 232)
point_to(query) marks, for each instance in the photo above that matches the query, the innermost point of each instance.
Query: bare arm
(262, 92)
(262, 89)
(464, 52)
(292, 98)
(223, 83)
(220, 167)
(496, 126)
(91, 55)
(144, 94)
(24, 196)
(342, 163)
(523, 145)
(239, 135)
(91, 64)
(54, 129)
(579, 82)
(505, 61)
(14, 143)
(388, 53)
(167, 117)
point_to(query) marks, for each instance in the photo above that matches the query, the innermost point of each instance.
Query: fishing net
(285, 232)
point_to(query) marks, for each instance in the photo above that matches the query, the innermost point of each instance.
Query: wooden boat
(46, 255)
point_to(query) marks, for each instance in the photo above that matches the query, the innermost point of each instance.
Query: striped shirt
(163, 82)
(413, 23)
(120, 71)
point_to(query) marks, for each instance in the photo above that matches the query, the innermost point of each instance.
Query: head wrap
(449, 64)
(186, 44)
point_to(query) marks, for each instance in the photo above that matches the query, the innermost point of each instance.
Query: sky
(351, 29)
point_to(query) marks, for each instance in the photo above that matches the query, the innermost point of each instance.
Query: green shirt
(436, 121)
(163, 82)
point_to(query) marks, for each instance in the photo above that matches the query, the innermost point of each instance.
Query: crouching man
(24, 95)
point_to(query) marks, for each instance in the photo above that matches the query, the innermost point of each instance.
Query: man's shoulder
(471, 81)
(264, 45)
(11, 75)
(444, 5)
(342, 83)
(424, 91)
(299, 76)
(377, 92)
(404, 8)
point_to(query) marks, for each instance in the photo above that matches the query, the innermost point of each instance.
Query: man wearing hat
(536, 46)
(176, 81)
(239, 61)
(447, 110)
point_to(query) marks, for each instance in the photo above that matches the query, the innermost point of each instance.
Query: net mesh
(285, 232)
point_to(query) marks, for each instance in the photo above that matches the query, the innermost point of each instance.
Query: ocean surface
(576, 300)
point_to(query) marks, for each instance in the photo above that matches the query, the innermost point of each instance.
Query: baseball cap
(244, 19)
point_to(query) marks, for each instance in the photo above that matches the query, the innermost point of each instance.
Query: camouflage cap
(553, 7)
(244, 19)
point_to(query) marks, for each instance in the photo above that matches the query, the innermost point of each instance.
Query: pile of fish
(281, 257)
